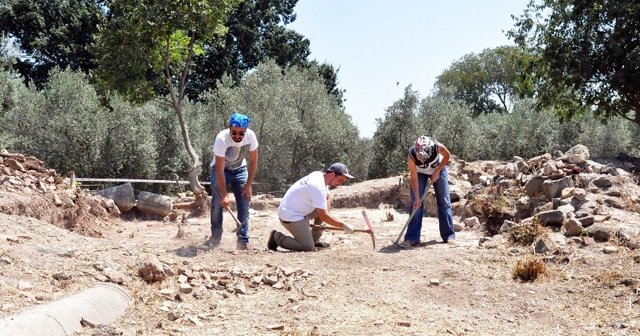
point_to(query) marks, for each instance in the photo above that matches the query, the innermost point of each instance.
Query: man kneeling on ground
(305, 200)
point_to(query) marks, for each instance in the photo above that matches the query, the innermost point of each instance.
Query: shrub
(529, 269)
(494, 206)
(526, 234)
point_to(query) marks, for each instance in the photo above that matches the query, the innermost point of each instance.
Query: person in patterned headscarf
(427, 159)
(229, 168)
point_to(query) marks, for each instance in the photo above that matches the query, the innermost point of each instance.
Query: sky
(382, 46)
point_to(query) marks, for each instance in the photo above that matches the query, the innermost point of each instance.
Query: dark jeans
(443, 201)
(237, 179)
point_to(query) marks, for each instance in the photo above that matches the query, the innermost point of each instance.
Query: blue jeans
(443, 201)
(236, 179)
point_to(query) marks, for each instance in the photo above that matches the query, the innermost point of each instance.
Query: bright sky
(378, 43)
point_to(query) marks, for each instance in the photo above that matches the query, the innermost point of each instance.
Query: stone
(185, 288)
(553, 188)
(551, 218)
(579, 194)
(577, 154)
(62, 276)
(610, 250)
(533, 187)
(25, 285)
(506, 225)
(602, 182)
(567, 209)
(434, 282)
(572, 227)
(113, 275)
(471, 222)
(151, 270)
(600, 233)
(278, 326)
(587, 221)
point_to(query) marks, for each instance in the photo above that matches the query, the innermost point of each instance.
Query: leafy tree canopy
(395, 133)
(488, 82)
(60, 33)
(587, 55)
(51, 33)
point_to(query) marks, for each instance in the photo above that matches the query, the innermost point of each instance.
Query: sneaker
(407, 244)
(272, 244)
(322, 245)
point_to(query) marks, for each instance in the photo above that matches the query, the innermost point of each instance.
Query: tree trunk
(176, 102)
(195, 185)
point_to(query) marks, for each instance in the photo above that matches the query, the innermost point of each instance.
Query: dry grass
(529, 269)
(609, 278)
(526, 234)
(492, 204)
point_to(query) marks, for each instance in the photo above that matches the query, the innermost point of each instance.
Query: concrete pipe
(101, 304)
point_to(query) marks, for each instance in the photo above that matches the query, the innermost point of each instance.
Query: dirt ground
(350, 289)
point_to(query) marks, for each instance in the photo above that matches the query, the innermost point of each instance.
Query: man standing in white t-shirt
(229, 168)
(305, 200)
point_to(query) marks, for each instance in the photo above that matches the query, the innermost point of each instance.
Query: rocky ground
(525, 263)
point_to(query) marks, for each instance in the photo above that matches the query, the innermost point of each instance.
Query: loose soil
(350, 289)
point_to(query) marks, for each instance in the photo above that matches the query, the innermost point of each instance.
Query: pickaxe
(238, 224)
(424, 195)
(366, 220)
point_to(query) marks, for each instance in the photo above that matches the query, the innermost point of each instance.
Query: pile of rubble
(26, 174)
(567, 192)
(227, 281)
(29, 188)
(222, 282)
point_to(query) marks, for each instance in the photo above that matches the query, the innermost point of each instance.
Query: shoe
(212, 243)
(407, 244)
(450, 240)
(244, 246)
(322, 245)
(272, 244)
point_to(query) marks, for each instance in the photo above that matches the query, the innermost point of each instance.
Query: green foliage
(525, 132)
(172, 159)
(256, 33)
(9, 97)
(488, 82)
(447, 121)
(129, 146)
(605, 139)
(330, 76)
(65, 125)
(170, 33)
(51, 33)
(300, 127)
(586, 55)
(395, 133)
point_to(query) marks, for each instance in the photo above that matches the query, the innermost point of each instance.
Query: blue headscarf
(239, 120)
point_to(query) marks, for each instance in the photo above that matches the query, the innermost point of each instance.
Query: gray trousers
(304, 238)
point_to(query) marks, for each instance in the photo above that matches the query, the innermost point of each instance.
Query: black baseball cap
(340, 168)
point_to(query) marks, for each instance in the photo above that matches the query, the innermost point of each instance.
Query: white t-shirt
(304, 196)
(234, 153)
